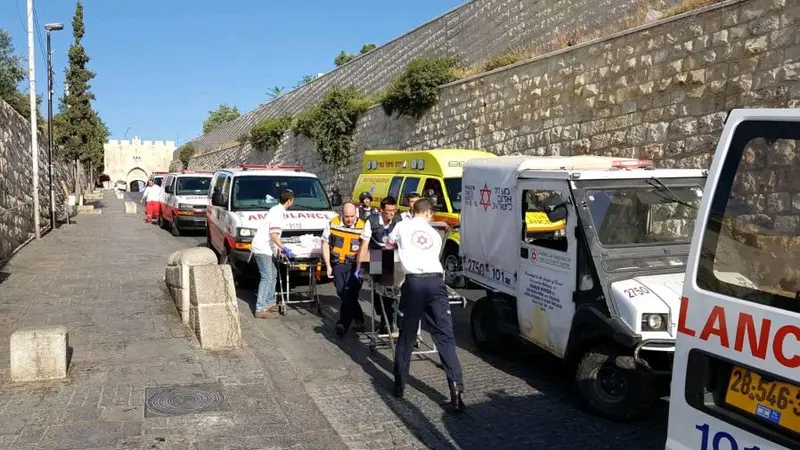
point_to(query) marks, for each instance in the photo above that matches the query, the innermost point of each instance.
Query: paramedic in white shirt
(424, 293)
(264, 246)
(412, 198)
(151, 197)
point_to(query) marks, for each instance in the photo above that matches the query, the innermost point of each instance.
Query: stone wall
(16, 200)
(474, 32)
(660, 91)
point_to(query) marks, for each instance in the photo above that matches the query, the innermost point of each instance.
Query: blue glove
(357, 273)
(288, 252)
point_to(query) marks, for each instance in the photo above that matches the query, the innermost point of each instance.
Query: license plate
(773, 401)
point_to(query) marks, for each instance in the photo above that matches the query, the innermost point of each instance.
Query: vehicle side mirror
(336, 197)
(217, 199)
(555, 207)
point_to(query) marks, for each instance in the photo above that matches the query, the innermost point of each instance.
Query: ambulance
(184, 201)
(736, 382)
(600, 286)
(433, 174)
(240, 198)
(157, 177)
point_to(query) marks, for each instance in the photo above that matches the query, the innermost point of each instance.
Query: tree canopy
(220, 116)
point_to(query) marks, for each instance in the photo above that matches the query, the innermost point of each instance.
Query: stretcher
(386, 288)
(307, 257)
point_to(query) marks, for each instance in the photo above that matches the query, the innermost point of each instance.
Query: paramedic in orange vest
(341, 240)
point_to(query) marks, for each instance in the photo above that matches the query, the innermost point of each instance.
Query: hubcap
(610, 385)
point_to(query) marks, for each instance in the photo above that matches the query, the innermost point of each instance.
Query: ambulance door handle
(523, 253)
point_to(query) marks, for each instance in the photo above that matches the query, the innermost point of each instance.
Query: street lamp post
(51, 27)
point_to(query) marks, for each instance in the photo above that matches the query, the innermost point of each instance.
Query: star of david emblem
(486, 197)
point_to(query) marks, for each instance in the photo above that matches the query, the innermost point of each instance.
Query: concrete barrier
(214, 310)
(177, 275)
(130, 207)
(119, 195)
(39, 354)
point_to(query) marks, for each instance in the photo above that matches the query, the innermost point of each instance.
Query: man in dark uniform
(341, 242)
(374, 237)
(365, 208)
(424, 294)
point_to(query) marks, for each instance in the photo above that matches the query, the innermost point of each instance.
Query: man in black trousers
(424, 294)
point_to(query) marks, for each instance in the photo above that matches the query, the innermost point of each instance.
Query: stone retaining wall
(16, 201)
(660, 91)
(474, 32)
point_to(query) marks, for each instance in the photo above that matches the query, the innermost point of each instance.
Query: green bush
(331, 123)
(268, 133)
(186, 154)
(504, 58)
(416, 89)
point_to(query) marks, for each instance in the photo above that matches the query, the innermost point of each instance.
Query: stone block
(214, 310)
(130, 208)
(177, 275)
(39, 354)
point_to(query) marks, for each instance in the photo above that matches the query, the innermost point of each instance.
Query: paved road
(294, 385)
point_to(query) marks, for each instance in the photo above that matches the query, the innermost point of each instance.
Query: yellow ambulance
(434, 174)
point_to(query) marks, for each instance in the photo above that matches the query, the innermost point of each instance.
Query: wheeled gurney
(307, 256)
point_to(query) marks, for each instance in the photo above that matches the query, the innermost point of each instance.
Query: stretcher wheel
(282, 310)
(372, 346)
(319, 307)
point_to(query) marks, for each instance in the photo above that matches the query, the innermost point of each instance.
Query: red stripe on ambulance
(757, 334)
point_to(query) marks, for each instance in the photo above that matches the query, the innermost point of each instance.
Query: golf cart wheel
(452, 268)
(174, 228)
(613, 386)
(485, 330)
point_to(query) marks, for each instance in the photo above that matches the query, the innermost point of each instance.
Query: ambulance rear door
(736, 375)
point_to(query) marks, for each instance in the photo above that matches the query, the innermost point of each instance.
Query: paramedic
(266, 241)
(151, 197)
(374, 237)
(412, 198)
(423, 293)
(341, 241)
(364, 205)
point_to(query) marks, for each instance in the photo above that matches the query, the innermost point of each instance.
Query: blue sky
(161, 65)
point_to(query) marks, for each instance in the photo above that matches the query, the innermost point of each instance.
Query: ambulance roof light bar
(196, 171)
(632, 164)
(270, 167)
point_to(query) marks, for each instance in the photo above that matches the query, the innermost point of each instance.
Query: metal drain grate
(169, 401)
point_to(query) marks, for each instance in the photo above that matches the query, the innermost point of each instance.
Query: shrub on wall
(269, 132)
(416, 89)
(186, 154)
(332, 122)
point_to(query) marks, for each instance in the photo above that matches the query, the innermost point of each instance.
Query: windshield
(654, 214)
(192, 186)
(453, 186)
(260, 192)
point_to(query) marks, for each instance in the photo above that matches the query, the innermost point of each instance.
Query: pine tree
(77, 129)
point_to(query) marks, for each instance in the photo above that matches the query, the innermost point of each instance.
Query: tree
(368, 48)
(220, 116)
(12, 74)
(186, 154)
(304, 81)
(78, 131)
(275, 92)
(343, 59)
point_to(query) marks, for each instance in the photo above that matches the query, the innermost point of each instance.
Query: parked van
(184, 201)
(435, 174)
(736, 382)
(240, 198)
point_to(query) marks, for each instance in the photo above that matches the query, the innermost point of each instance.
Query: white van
(184, 200)
(240, 198)
(736, 382)
(601, 290)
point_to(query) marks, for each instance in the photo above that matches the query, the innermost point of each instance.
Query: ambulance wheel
(614, 386)
(485, 330)
(161, 222)
(174, 228)
(223, 256)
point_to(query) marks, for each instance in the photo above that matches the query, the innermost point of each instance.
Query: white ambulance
(240, 198)
(184, 198)
(736, 382)
(602, 290)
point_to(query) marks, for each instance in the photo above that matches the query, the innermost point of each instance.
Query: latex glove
(288, 252)
(357, 273)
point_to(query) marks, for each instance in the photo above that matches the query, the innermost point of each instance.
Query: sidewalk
(293, 385)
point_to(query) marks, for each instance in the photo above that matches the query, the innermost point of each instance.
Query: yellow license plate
(302, 267)
(773, 401)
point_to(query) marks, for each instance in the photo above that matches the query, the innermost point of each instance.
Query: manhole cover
(168, 401)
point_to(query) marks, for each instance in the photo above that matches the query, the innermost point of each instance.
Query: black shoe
(398, 391)
(340, 331)
(455, 398)
(358, 325)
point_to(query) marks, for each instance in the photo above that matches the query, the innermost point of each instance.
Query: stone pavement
(293, 385)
